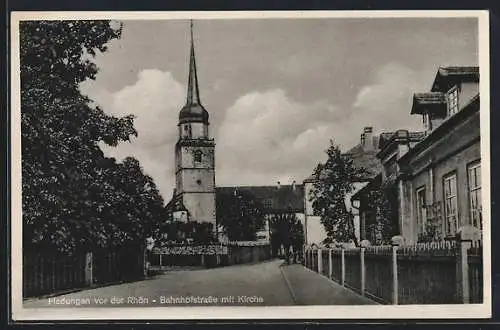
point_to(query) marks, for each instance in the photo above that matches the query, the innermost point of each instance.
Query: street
(262, 284)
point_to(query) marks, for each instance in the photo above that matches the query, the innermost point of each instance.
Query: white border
(244, 313)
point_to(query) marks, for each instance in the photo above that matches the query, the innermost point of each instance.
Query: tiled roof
(387, 144)
(274, 199)
(427, 99)
(452, 74)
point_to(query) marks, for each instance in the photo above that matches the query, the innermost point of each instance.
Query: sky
(277, 90)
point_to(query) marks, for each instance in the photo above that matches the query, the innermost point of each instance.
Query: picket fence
(45, 273)
(432, 273)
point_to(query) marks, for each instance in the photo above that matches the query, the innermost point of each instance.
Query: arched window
(197, 156)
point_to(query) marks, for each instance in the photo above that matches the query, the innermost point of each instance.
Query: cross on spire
(193, 93)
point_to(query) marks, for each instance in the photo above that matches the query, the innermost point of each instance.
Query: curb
(288, 285)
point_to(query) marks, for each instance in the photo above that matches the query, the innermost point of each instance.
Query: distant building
(437, 172)
(276, 199)
(364, 156)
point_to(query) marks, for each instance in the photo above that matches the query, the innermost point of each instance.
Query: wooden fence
(45, 273)
(444, 273)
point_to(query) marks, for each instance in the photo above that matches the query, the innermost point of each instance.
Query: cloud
(265, 136)
(155, 99)
(385, 103)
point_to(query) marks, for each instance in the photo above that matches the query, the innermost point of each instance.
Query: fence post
(465, 236)
(342, 264)
(363, 270)
(330, 263)
(320, 261)
(395, 293)
(89, 276)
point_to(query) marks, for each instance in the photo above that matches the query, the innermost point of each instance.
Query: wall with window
(447, 176)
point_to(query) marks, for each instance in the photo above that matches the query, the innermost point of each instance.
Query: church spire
(193, 93)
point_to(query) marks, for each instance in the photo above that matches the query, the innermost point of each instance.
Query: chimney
(368, 141)
(294, 187)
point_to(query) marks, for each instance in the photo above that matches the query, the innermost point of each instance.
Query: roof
(430, 101)
(367, 159)
(193, 111)
(390, 143)
(363, 159)
(447, 76)
(176, 204)
(274, 199)
(446, 126)
(372, 184)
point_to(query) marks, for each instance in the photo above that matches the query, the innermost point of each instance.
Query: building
(436, 174)
(364, 156)
(442, 173)
(275, 200)
(194, 194)
(391, 148)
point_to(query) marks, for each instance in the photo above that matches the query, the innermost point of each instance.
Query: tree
(240, 214)
(336, 179)
(287, 231)
(384, 202)
(72, 195)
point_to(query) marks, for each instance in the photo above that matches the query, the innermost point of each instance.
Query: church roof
(193, 111)
(283, 198)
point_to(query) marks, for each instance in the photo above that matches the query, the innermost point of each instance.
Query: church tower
(194, 154)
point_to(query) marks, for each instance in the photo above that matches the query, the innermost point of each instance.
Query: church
(194, 193)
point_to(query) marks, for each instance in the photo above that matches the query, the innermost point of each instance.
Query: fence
(445, 273)
(225, 254)
(49, 273)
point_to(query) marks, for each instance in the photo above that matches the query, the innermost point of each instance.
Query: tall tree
(73, 196)
(335, 181)
(240, 214)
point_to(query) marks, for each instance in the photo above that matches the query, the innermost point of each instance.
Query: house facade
(436, 173)
(442, 173)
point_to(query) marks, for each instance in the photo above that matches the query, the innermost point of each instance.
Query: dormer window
(452, 100)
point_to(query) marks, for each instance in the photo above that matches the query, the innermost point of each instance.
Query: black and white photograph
(254, 165)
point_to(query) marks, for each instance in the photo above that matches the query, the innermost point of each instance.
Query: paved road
(246, 285)
(263, 284)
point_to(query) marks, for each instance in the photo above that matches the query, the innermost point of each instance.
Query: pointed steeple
(193, 93)
(193, 111)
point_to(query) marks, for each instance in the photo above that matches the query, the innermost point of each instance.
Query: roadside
(310, 288)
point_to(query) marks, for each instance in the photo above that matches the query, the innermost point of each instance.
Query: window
(475, 205)
(452, 101)
(268, 203)
(197, 156)
(187, 130)
(450, 204)
(421, 210)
